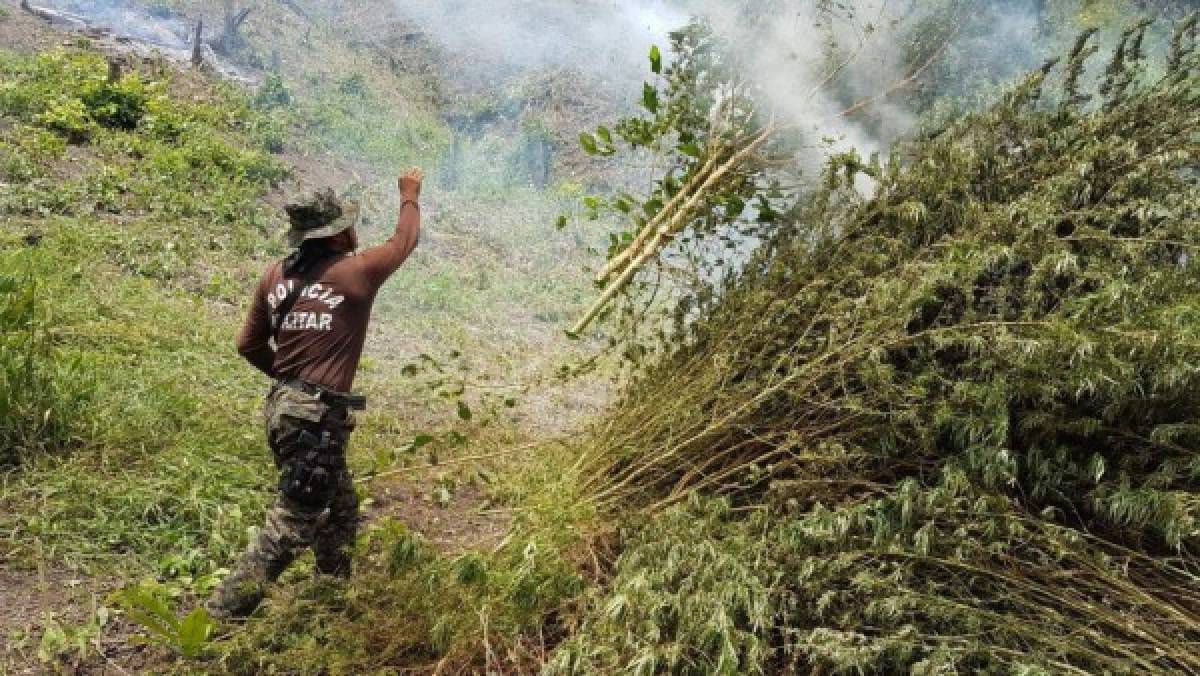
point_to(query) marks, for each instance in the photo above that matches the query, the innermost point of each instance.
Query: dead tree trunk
(231, 38)
(197, 45)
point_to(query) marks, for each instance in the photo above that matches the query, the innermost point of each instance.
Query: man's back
(321, 338)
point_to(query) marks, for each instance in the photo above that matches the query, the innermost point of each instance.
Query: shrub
(73, 93)
(273, 93)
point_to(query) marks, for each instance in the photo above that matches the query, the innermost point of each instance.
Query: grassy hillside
(133, 221)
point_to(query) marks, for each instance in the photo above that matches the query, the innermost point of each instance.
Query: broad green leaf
(194, 632)
(650, 98)
(589, 144)
(652, 206)
(655, 59)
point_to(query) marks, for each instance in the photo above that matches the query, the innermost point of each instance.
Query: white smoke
(784, 44)
(126, 18)
(608, 38)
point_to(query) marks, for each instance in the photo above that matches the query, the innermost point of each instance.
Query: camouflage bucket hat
(319, 215)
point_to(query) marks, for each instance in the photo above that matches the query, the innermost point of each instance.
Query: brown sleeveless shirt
(321, 339)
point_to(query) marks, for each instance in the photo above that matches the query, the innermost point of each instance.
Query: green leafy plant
(149, 605)
(273, 93)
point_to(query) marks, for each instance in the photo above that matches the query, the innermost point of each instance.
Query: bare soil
(32, 601)
(467, 522)
(22, 31)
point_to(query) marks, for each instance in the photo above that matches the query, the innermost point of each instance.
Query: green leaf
(589, 144)
(470, 569)
(691, 150)
(650, 98)
(560, 222)
(735, 206)
(417, 443)
(53, 643)
(655, 59)
(194, 632)
(464, 411)
(605, 135)
(653, 206)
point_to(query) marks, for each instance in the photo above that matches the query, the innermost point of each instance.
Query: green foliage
(73, 94)
(149, 605)
(345, 118)
(45, 394)
(165, 466)
(136, 246)
(702, 121)
(961, 410)
(150, 151)
(691, 596)
(273, 93)
(61, 645)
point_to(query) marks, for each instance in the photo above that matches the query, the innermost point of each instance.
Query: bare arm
(253, 343)
(381, 261)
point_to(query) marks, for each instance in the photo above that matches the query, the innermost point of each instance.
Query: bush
(273, 93)
(72, 93)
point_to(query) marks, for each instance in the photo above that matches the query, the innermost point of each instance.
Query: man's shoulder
(350, 263)
(270, 274)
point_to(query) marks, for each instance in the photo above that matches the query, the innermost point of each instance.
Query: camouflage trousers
(316, 506)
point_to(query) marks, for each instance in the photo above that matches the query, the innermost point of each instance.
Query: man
(306, 329)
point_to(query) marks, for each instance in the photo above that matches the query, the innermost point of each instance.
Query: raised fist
(410, 183)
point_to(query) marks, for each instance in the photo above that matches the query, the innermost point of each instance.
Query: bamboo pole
(675, 223)
(619, 261)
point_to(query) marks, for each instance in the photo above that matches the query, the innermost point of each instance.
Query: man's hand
(410, 183)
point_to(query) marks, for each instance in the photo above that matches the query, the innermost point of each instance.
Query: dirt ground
(35, 603)
(24, 32)
(467, 522)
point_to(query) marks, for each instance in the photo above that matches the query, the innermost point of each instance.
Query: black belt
(353, 402)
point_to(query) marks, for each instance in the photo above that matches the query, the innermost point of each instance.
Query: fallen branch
(54, 15)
